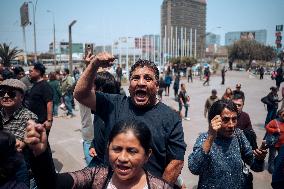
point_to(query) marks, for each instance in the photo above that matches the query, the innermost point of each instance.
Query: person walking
(223, 72)
(176, 85)
(168, 81)
(261, 72)
(206, 76)
(271, 102)
(67, 88)
(183, 100)
(118, 72)
(279, 76)
(228, 95)
(55, 85)
(238, 90)
(162, 87)
(189, 74)
(209, 101)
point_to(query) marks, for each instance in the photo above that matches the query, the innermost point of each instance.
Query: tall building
(183, 25)
(130, 49)
(258, 35)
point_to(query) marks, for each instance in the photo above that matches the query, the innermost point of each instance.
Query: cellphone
(89, 48)
(263, 145)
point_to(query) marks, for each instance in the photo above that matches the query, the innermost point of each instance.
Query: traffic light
(278, 40)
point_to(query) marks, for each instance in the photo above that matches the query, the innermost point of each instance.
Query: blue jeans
(86, 147)
(271, 114)
(68, 103)
(22, 174)
(185, 107)
(55, 109)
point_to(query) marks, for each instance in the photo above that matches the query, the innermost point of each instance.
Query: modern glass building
(212, 39)
(258, 35)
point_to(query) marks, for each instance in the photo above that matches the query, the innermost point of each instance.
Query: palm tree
(7, 54)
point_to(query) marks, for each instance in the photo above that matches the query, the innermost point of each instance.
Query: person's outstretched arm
(84, 90)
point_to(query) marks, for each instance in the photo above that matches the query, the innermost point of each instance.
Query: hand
(36, 138)
(103, 59)
(89, 57)
(260, 154)
(92, 152)
(47, 125)
(20, 145)
(215, 125)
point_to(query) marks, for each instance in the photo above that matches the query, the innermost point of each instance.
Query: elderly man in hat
(14, 115)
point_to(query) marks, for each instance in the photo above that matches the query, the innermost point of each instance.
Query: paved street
(65, 136)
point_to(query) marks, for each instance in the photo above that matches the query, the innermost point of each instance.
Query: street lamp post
(54, 50)
(70, 45)
(34, 12)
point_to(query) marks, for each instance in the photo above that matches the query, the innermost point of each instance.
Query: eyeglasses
(10, 93)
(226, 120)
(238, 105)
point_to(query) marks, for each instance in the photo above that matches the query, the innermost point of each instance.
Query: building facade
(183, 25)
(212, 39)
(258, 35)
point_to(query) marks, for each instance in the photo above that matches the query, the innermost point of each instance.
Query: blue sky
(105, 20)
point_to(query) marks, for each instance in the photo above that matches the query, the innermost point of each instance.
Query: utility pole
(54, 44)
(34, 12)
(70, 45)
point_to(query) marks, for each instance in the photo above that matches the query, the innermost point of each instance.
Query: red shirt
(272, 127)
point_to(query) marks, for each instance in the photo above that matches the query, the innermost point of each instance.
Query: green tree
(188, 61)
(248, 50)
(175, 61)
(7, 54)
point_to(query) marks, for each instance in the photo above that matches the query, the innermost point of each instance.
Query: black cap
(273, 88)
(40, 67)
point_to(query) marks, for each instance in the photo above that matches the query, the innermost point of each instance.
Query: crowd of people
(127, 141)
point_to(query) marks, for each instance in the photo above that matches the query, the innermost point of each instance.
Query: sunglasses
(238, 105)
(226, 120)
(10, 93)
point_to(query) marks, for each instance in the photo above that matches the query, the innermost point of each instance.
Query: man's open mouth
(141, 93)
